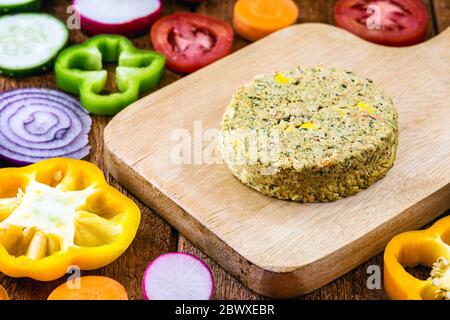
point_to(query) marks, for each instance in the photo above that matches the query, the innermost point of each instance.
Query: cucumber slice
(30, 42)
(8, 6)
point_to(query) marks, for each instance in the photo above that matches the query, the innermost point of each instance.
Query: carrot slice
(3, 294)
(255, 19)
(91, 288)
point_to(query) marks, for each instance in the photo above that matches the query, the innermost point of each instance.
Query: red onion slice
(37, 124)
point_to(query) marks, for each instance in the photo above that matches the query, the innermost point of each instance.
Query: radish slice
(178, 276)
(129, 18)
(37, 124)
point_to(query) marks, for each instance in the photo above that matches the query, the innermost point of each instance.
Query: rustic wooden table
(155, 236)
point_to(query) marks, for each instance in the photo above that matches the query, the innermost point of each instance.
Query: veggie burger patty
(310, 134)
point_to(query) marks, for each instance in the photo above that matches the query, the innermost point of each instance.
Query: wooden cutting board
(280, 248)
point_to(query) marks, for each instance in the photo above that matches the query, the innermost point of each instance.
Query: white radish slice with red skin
(125, 17)
(178, 276)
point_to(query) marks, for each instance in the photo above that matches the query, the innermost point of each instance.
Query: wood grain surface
(155, 236)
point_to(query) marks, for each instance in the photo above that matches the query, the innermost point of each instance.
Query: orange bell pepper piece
(429, 248)
(255, 19)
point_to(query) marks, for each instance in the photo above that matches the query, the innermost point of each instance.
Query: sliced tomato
(191, 41)
(387, 22)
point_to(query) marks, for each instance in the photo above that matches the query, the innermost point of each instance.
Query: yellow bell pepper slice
(429, 248)
(60, 213)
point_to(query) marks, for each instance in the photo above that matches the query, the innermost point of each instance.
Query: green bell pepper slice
(79, 70)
